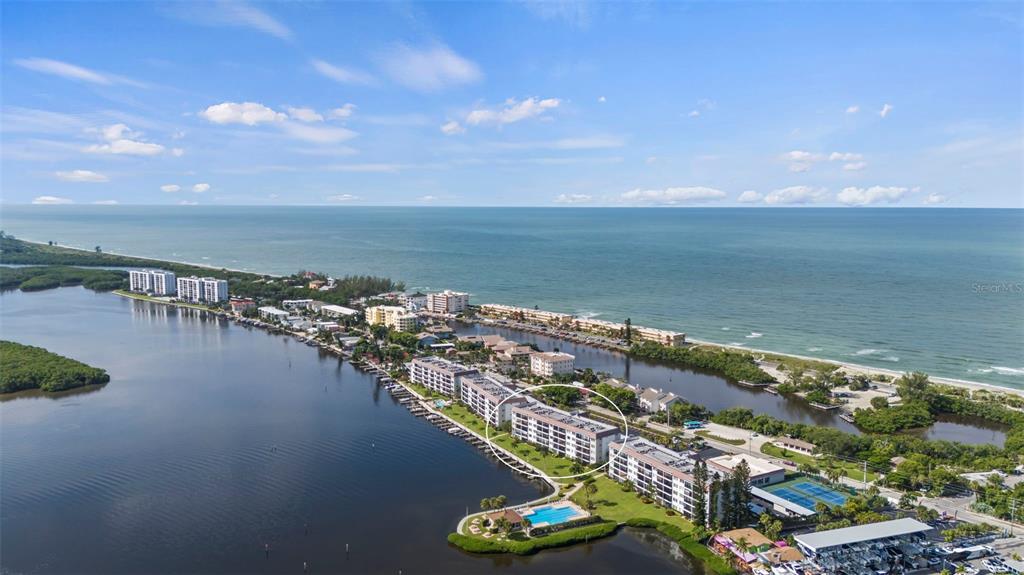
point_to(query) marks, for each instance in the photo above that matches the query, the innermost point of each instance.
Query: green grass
(145, 297)
(550, 464)
(564, 538)
(851, 470)
(708, 435)
(611, 502)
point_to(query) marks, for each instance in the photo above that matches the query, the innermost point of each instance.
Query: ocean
(938, 290)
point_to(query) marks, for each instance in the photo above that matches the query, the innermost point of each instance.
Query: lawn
(851, 470)
(611, 502)
(708, 435)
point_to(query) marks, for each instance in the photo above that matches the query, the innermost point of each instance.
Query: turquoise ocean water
(940, 290)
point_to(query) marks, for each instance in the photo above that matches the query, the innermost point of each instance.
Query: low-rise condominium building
(654, 400)
(549, 364)
(448, 302)
(655, 470)
(273, 314)
(413, 301)
(762, 471)
(202, 290)
(637, 333)
(488, 398)
(565, 434)
(525, 314)
(293, 304)
(241, 304)
(438, 374)
(338, 311)
(157, 282)
(392, 316)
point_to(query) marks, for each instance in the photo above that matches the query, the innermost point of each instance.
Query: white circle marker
(487, 432)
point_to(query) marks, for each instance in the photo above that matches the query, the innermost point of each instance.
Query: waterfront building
(448, 302)
(241, 304)
(483, 395)
(327, 326)
(654, 400)
(438, 374)
(565, 434)
(638, 333)
(413, 301)
(655, 470)
(762, 471)
(548, 364)
(426, 339)
(202, 290)
(272, 314)
(337, 311)
(157, 282)
(293, 304)
(525, 314)
(392, 316)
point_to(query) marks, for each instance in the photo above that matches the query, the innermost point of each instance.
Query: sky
(513, 103)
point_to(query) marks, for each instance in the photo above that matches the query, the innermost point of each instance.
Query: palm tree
(590, 489)
(500, 501)
(833, 474)
(576, 468)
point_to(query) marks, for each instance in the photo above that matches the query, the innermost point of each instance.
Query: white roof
(757, 465)
(339, 309)
(860, 533)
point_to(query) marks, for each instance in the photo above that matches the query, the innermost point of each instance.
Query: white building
(525, 314)
(202, 290)
(488, 398)
(657, 470)
(762, 471)
(548, 364)
(338, 311)
(565, 434)
(156, 282)
(296, 303)
(654, 400)
(438, 374)
(448, 302)
(413, 301)
(392, 316)
(273, 314)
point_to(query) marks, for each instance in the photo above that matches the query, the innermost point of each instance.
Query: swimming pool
(552, 515)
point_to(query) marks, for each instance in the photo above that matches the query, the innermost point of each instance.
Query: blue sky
(522, 103)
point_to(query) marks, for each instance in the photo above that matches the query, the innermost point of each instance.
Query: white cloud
(651, 160)
(428, 69)
(583, 143)
(573, 199)
(106, 202)
(366, 168)
(82, 176)
(802, 160)
(694, 113)
(170, 188)
(845, 157)
(343, 112)
(513, 111)
(934, 199)
(427, 198)
(342, 75)
(121, 140)
(200, 188)
(188, 203)
(867, 196)
(248, 113)
(52, 200)
(797, 167)
(177, 152)
(855, 166)
(343, 198)
(73, 72)
(602, 99)
(304, 114)
(317, 134)
(749, 196)
(795, 195)
(672, 196)
(231, 13)
(885, 110)
(451, 128)
(853, 109)
(803, 156)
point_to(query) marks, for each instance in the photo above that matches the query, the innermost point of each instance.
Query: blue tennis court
(806, 492)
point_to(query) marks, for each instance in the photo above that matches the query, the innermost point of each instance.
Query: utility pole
(865, 475)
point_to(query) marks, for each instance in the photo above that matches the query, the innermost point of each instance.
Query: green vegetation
(265, 287)
(894, 418)
(733, 364)
(848, 468)
(963, 530)
(623, 398)
(25, 367)
(860, 509)
(611, 502)
(686, 540)
(49, 277)
(528, 546)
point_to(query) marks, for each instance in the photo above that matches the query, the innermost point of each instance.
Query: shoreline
(848, 366)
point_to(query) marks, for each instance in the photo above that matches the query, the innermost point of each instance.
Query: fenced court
(807, 491)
